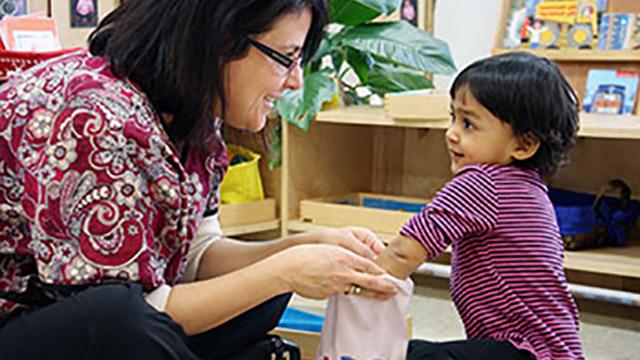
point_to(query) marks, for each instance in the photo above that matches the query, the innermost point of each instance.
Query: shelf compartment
(372, 115)
(616, 261)
(591, 125)
(361, 209)
(249, 217)
(578, 55)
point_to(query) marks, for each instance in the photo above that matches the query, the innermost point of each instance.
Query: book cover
(29, 33)
(616, 31)
(634, 38)
(610, 91)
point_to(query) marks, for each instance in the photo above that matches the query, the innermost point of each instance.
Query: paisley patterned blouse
(91, 188)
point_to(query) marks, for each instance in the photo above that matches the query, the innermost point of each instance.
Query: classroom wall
(469, 26)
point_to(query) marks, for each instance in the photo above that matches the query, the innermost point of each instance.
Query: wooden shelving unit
(362, 149)
(596, 126)
(574, 55)
(252, 228)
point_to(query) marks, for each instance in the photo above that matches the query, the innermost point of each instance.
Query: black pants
(465, 349)
(115, 322)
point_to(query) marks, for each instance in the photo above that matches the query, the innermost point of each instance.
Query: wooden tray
(380, 213)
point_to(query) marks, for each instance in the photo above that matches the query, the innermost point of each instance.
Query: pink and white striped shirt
(507, 278)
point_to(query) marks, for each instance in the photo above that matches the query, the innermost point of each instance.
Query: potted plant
(386, 56)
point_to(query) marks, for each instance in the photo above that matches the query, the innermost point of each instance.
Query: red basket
(11, 61)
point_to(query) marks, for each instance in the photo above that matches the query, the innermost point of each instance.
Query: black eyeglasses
(282, 59)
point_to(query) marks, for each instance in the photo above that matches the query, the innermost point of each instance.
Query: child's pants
(466, 350)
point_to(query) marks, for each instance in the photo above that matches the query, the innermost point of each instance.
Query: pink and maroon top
(92, 190)
(507, 275)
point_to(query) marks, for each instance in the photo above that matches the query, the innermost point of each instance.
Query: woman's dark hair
(175, 50)
(531, 94)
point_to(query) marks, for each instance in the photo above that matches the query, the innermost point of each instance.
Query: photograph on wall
(84, 13)
(13, 8)
(409, 11)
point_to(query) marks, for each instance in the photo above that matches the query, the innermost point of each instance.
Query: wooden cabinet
(361, 149)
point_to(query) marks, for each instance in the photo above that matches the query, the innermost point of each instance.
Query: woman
(111, 162)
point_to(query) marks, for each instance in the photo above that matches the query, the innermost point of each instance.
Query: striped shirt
(507, 278)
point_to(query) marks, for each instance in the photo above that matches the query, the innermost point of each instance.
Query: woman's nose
(295, 79)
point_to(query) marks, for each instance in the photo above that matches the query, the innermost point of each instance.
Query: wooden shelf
(251, 228)
(577, 55)
(248, 218)
(304, 226)
(592, 125)
(370, 115)
(610, 126)
(623, 261)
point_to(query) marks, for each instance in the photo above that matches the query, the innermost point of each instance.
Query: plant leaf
(402, 44)
(275, 148)
(361, 63)
(299, 107)
(384, 78)
(355, 12)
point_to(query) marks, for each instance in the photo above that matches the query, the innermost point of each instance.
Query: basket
(588, 221)
(242, 181)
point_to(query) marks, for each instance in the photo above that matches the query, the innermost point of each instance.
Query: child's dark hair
(531, 94)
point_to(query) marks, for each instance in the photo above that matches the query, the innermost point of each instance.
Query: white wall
(469, 26)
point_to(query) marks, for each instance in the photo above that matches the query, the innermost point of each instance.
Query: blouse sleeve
(208, 233)
(466, 206)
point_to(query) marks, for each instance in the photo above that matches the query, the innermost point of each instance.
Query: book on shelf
(610, 91)
(29, 33)
(552, 24)
(617, 31)
(634, 41)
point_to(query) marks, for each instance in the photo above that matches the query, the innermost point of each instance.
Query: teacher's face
(256, 80)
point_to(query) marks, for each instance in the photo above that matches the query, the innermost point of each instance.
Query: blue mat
(300, 320)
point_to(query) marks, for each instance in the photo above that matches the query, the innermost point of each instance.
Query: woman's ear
(527, 146)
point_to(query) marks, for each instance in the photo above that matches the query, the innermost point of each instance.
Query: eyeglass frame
(277, 56)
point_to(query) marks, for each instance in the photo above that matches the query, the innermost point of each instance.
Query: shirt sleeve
(208, 233)
(466, 206)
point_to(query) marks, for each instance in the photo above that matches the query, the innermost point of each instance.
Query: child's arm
(402, 256)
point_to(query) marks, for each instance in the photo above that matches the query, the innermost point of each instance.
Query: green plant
(385, 56)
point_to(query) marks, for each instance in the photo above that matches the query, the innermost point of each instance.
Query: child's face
(476, 136)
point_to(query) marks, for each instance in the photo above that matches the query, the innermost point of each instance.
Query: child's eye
(468, 124)
(452, 116)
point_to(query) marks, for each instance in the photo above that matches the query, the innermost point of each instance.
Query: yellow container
(242, 182)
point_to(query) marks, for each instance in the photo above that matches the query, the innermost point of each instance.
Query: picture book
(29, 33)
(616, 31)
(610, 91)
(553, 24)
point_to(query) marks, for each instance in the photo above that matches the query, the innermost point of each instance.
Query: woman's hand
(359, 240)
(321, 270)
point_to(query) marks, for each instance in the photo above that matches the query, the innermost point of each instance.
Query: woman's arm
(226, 255)
(314, 271)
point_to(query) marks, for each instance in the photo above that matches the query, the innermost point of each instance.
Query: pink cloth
(360, 328)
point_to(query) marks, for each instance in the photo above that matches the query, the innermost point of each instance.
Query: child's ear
(526, 147)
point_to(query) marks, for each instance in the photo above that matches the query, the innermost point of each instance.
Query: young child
(514, 119)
